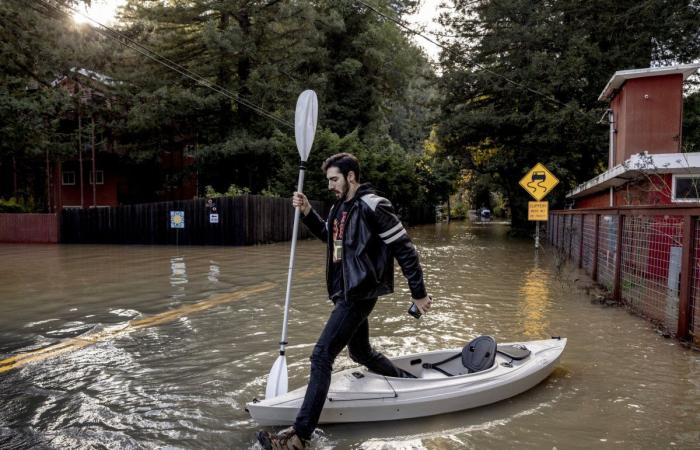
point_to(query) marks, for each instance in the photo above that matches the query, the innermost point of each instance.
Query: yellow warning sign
(538, 211)
(539, 182)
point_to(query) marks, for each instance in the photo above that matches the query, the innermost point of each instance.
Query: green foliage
(268, 193)
(232, 191)
(13, 205)
(459, 211)
(376, 92)
(372, 83)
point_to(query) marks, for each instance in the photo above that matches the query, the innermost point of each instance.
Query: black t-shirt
(340, 215)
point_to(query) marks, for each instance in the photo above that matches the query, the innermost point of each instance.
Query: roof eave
(637, 166)
(619, 78)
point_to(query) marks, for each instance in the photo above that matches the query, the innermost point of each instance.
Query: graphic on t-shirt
(338, 232)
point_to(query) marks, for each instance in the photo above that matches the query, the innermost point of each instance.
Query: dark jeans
(347, 325)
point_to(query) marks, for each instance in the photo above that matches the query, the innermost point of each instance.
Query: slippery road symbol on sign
(539, 182)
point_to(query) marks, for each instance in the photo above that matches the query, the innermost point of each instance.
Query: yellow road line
(73, 344)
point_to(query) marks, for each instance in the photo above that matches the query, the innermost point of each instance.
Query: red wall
(648, 113)
(597, 200)
(656, 190)
(29, 228)
(69, 195)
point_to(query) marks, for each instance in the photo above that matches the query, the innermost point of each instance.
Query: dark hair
(345, 162)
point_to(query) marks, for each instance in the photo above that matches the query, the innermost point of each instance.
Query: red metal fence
(647, 258)
(29, 228)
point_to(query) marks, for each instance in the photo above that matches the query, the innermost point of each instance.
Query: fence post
(580, 242)
(687, 266)
(571, 233)
(596, 236)
(618, 258)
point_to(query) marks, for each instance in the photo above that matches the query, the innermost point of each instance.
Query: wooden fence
(29, 228)
(244, 220)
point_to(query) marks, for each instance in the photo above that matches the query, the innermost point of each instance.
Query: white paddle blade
(305, 118)
(277, 379)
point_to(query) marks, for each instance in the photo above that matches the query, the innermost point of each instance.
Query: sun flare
(103, 11)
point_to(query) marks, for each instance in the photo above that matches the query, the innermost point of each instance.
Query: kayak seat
(477, 355)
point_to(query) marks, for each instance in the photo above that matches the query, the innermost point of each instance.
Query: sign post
(177, 222)
(538, 182)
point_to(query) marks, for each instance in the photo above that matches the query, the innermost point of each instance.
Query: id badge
(337, 250)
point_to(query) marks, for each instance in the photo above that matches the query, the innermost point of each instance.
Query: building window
(68, 178)
(686, 188)
(100, 175)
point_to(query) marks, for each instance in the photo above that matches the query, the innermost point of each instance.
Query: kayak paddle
(305, 118)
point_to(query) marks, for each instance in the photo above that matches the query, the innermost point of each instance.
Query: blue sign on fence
(177, 219)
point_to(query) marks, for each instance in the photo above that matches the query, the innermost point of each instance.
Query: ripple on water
(184, 383)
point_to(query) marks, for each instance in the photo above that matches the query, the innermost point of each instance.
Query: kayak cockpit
(479, 355)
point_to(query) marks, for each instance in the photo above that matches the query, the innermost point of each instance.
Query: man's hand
(424, 304)
(299, 200)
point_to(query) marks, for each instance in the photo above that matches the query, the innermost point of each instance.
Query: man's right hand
(424, 304)
(299, 200)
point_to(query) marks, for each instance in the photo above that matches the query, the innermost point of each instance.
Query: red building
(99, 174)
(646, 165)
(635, 228)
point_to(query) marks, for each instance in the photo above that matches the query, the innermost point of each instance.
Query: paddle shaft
(292, 258)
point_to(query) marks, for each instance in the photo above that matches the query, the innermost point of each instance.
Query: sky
(104, 11)
(427, 17)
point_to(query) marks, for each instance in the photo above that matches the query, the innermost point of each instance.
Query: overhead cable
(160, 59)
(451, 51)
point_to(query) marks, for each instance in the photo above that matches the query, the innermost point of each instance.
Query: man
(363, 236)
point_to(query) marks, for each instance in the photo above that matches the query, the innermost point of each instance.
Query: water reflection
(536, 299)
(178, 277)
(214, 272)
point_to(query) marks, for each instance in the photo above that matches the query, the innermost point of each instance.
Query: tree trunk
(14, 176)
(48, 182)
(224, 80)
(244, 67)
(449, 210)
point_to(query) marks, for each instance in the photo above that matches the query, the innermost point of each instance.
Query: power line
(451, 51)
(160, 59)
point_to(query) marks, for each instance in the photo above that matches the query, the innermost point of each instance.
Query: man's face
(337, 182)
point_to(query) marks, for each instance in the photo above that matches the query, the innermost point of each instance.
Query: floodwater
(153, 347)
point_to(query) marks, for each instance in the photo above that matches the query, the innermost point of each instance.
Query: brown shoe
(286, 439)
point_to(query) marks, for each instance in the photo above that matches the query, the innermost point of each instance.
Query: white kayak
(358, 395)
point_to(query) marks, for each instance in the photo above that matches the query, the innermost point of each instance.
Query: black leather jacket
(373, 237)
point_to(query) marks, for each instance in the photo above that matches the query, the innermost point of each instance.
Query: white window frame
(673, 190)
(100, 175)
(63, 178)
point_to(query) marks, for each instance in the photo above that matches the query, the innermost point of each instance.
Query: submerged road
(139, 346)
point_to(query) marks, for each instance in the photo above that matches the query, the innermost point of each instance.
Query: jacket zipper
(342, 256)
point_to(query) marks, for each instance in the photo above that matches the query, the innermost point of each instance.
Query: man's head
(343, 173)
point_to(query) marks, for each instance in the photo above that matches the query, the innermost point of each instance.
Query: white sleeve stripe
(395, 237)
(392, 231)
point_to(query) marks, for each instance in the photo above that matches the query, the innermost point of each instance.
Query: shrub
(12, 206)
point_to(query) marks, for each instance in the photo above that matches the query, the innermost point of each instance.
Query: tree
(524, 79)
(691, 123)
(39, 45)
(371, 81)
